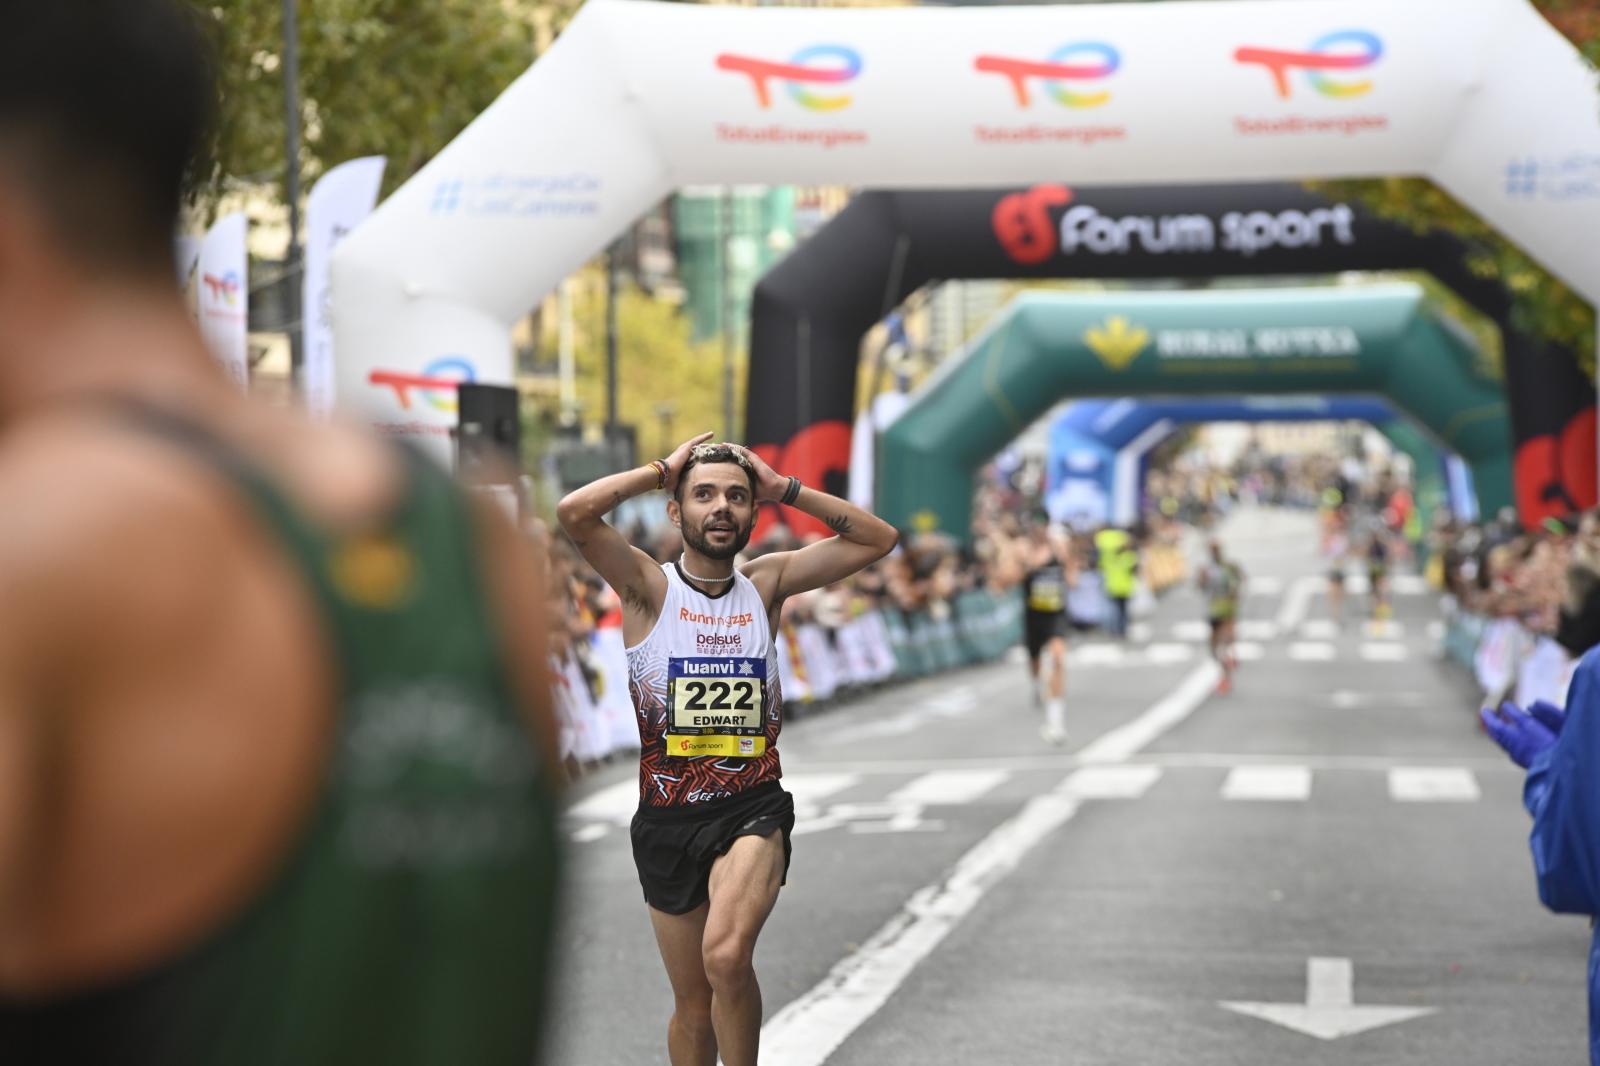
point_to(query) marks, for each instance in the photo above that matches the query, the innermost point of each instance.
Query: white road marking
(809, 1029)
(1163, 654)
(1436, 630)
(1112, 782)
(1257, 629)
(1383, 629)
(1293, 611)
(1320, 629)
(810, 789)
(1344, 699)
(952, 704)
(1097, 654)
(1433, 784)
(1329, 1011)
(590, 833)
(1119, 744)
(1384, 653)
(1248, 651)
(1191, 631)
(1263, 586)
(614, 803)
(948, 787)
(1271, 783)
(1305, 651)
(1139, 632)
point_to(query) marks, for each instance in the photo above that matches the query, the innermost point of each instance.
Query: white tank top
(706, 692)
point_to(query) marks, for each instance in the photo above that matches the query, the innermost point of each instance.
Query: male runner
(1044, 590)
(1221, 581)
(267, 791)
(711, 836)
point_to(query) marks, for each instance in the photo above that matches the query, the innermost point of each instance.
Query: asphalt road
(1334, 837)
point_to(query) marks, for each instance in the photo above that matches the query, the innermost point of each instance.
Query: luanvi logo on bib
(806, 78)
(1342, 52)
(1026, 230)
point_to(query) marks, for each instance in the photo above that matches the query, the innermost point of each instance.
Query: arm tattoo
(616, 501)
(840, 525)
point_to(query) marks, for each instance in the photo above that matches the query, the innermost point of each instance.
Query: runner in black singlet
(276, 758)
(711, 837)
(1044, 590)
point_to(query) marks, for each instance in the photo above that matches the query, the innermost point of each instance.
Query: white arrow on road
(1329, 1011)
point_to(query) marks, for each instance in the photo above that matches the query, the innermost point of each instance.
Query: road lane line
(951, 787)
(809, 1029)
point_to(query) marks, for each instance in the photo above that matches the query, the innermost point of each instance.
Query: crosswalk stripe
(1320, 629)
(1111, 782)
(1273, 783)
(1098, 654)
(615, 803)
(1264, 586)
(1169, 653)
(1191, 631)
(1433, 784)
(1306, 651)
(1258, 629)
(810, 789)
(1248, 651)
(948, 787)
(1384, 629)
(1384, 653)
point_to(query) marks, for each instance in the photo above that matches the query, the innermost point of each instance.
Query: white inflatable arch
(638, 98)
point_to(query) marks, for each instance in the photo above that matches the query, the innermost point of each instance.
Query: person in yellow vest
(1119, 566)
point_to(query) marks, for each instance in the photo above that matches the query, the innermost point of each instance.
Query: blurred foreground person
(275, 749)
(1561, 752)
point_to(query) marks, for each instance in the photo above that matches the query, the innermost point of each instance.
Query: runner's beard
(696, 539)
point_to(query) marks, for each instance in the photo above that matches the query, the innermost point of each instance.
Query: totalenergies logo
(820, 64)
(1079, 61)
(224, 289)
(437, 382)
(1340, 50)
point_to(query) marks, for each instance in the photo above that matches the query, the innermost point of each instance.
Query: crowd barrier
(1507, 660)
(815, 664)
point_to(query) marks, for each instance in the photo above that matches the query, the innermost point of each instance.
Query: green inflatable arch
(1047, 346)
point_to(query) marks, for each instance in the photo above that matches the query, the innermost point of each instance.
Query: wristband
(661, 472)
(791, 492)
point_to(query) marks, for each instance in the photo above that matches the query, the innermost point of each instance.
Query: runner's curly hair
(716, 453)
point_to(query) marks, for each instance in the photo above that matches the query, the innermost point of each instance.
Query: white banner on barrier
(224, 295)
(340, 201)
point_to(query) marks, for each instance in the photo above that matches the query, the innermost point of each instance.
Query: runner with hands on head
(711, 836)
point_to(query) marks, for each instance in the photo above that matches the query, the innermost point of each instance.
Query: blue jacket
(1563, 795)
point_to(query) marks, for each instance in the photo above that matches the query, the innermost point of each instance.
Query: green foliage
(657, 366)
(395, 78)
(1542, 304)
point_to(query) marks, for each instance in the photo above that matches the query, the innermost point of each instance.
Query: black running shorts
(674, 847)
(1040, 629)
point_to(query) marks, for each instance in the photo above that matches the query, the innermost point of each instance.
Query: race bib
(714, 707)
(1046, 595)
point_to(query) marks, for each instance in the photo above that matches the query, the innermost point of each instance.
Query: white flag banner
(339, 201)
(224, 294)
(185, 256)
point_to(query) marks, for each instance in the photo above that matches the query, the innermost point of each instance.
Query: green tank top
(411, 921)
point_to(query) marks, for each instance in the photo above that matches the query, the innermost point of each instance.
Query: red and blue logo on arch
(1342, 50)
(1075, 62)
(437, 383)
(818, 65)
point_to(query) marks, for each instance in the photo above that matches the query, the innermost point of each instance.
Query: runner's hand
(770, 485)
(680, 456)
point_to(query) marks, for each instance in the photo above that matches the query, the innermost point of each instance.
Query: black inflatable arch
(812, 309)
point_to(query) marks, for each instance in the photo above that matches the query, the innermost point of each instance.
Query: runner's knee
(729, 962)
